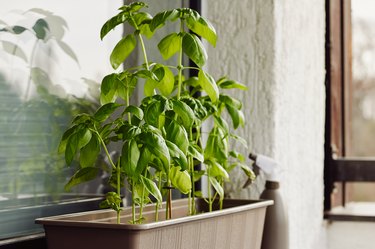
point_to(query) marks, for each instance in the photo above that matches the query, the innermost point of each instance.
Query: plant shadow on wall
(35, 109)
(171, 130)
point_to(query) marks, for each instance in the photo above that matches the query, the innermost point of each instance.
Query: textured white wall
(277, 49)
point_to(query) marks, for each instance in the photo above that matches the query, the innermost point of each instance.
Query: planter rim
(59, 220)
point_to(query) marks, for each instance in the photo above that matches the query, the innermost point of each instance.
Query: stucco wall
(277, 49)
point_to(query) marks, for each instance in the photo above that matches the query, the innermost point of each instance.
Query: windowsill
(353, 211)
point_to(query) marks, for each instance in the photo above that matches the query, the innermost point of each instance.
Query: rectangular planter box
(238, 226)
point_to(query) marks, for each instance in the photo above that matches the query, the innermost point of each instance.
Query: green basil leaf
(235, 103)
(185, 113)
(209, 85)
(71, 148)
(177, 134)
(224, 83)
(84, 136)
(122, 50)
(159, 19)
(194, 49)
(152, 188)
(196, 152)
(81, 176)
(129, 157)
(177, 155)
(65, 137)
(216, 145)
(237, 116)
(126, 87)
(105, 111)
(218, 188)
(166, 83)
(144, 159)
(248, 172)
(113, 22)
(153, 112)
(203, 28)
(136, 111)
(155, 143)
(180, 179)
(108, 88)
(198, 175)
(89, 152)
(170, 45)
(216, 169)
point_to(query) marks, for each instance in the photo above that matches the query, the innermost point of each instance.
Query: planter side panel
(236, 231)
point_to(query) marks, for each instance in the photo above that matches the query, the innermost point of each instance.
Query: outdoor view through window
(51, 63)
(362, 127)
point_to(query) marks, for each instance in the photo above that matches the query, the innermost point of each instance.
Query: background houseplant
(161, 138)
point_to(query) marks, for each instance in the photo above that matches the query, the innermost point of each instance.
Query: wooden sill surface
(353, 211)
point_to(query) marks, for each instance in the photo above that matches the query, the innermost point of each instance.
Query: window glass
(362, 128)
(51, 63)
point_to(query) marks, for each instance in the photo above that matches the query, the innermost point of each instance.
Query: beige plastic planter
(238, 226)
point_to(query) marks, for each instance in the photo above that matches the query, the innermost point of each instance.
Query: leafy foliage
(161, 139)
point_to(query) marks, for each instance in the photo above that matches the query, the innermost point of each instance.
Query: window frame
(337, 166)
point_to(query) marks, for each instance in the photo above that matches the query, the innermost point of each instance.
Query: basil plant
(161, 137)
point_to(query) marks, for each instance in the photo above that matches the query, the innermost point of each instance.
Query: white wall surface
(277, 49)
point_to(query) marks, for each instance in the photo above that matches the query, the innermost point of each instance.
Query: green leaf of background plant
(180, 179)
(203, 28)
(68, 50)
(14, 50)
(81, 176)
(194, 49)
(209, 85)
(89, 152)
(41, 28)
(170, 45)
(18, 29)
(105, 111)
(152, 188)
(122, 50)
